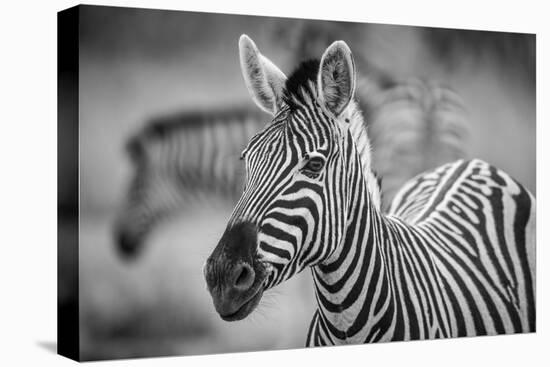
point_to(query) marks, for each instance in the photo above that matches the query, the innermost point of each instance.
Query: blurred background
(138, 66)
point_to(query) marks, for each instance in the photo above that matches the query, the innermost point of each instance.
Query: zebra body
(454, 256)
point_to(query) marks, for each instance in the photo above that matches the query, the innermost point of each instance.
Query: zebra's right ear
(336, 79)
(264, 80)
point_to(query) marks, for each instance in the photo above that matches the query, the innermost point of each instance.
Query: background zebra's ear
(336, 79)
(264, 80)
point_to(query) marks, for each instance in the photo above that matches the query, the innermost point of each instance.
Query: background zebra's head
(153, 193)
(178, 160)
(292, 213)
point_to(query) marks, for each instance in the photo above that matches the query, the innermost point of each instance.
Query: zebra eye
(315, 164)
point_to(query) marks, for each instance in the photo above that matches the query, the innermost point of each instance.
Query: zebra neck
(354, 286)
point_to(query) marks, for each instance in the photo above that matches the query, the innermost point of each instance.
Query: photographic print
(231, 183)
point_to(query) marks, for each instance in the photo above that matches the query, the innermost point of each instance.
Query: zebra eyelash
(311, 174)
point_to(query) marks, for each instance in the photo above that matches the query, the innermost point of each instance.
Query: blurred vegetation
(504, 49)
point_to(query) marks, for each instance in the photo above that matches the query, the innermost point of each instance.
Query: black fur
(307, 71)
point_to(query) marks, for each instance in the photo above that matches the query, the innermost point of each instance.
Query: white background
(28, 182)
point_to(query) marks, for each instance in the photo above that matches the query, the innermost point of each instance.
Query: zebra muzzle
(233, 273)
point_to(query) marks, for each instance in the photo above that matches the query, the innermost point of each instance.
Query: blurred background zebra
(146, 71)
(179, 160)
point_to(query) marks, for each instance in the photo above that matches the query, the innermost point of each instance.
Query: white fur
(264, 80)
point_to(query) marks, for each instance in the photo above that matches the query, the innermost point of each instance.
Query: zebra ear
(336, 79)
(264, 80)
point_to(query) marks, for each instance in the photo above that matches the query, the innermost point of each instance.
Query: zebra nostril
(126, 244)
(243, 276)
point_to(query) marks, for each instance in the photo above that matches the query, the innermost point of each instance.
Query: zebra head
(293, 210)
(153, 192)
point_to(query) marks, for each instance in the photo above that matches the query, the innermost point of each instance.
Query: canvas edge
(68, 339)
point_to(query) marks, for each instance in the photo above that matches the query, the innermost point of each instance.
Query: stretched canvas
(243, 183)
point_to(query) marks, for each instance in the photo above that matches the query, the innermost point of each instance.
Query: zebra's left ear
(264, 80)
(336, 79)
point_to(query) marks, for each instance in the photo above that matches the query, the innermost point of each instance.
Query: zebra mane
(301, 87)
(297, 86)
(358, 130)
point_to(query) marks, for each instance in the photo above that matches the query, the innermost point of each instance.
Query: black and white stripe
(456, 262)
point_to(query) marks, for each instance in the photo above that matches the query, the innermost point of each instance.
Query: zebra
(178, 159)
(453, 256)
(417, 125)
